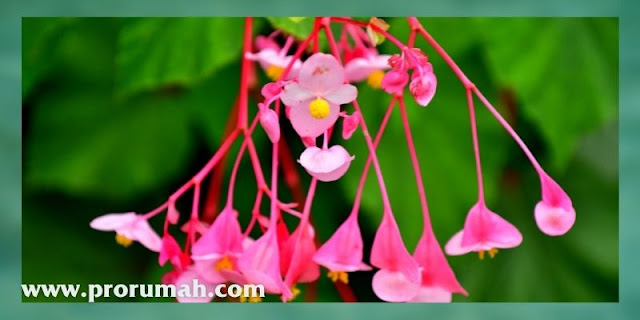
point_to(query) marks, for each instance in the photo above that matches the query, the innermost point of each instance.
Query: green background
(11, 158)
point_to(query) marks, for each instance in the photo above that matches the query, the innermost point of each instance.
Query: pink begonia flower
(296, 258)
(438, 280)
(399, 278)
(423, 85)
(260, 264)
(263, 43)
(370, 66)
(326, 164)
(316, 98)
(129, 227)
(222, 242)
(199, 226)
(270, 124)
(188, 279)
(554, 214)
(350, 124)
(274, 62)
(271, 90)
(394, 81)
(171, 251)
(484, 230)
(342, 253)
(212, 271)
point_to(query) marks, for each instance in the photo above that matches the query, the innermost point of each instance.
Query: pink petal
(308, 126)
(270, 124)
(271, 90)
(326, 165)
(436, 271)
(263, 42)
(394, 286)
(432, 294)
(187, 278)
(169, 249)
(343, 251)
(301, 248)
(224, 238)
(394, 81)
(260, 264)
(358, 69)
(554, 221)
(350, 124)
(454, 245)
(113, 221)
(321, 73)
(172, 214)
(294, 94)
(342, 95)
(142, 232)
(423, 87)
(484, 227)
(206, 270)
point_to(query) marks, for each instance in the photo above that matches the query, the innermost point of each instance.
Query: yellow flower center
(224, 264)
(255, 299)
(123, 241)
(492, 253)
(295, 292)
(375, 79)
(338, 276)
(319, 108)
(274, 72)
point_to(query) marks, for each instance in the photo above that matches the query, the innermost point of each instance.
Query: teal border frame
(10, 157)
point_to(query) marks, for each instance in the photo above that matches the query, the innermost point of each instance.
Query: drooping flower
(222, 243)
(554, 214)
(423, 84)
(342, 253)
(269, 122)
(129, 227)
(438, 280)
(296, 258)
(274, 62)
(260, 264)
(316, 98)
(171, 251)
(367, 65)
(326, 164)
(350, 124)
(394, 81)
(484, 230)
(399, 278)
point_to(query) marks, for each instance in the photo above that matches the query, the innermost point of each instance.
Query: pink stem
(236, 164)
(476, 146)
(302, 229)
(416, 165)
(244, 75)
(273, 218)
(255, 213)
(332, 41)
(375, 28)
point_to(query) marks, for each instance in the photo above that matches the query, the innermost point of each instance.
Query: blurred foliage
(118, 112)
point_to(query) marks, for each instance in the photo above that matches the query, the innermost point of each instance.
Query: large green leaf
(564, 72)
(158, 52)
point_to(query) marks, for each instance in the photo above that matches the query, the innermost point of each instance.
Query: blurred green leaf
(295, 27)
(157, 52)
(563, 70)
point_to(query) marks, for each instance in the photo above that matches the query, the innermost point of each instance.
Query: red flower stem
(367, 165)
(243, 111)
(375, 28)
(476, 146)
(331, 39)
(354, 35)
(299, 52)
(274, 213)
(291, 175)
(191, 235)
(255, 213)
(236, 164)
(416, 165)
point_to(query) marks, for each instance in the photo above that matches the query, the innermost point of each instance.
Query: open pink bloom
(171, 251)
(398, 279)
(423, 85)
(189, 278)
(274, 62)
(438, 280)
(296, 260)
(484, 230)
(223, 240)
(260, 264)
(263, 43)
(270, 124)
(343, 251)
(326, 164)
(350, 124)
(316, 98)
(222, 270)
(129, 227)
(554, 213)
(369, 66)
(394, 81)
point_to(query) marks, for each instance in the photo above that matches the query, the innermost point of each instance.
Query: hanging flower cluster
(317, 91)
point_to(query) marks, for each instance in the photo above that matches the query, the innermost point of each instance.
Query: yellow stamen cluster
(250, 299)
(123, 241)
(492, 253)
(274, 72)
(338, 276)
(374, 80)
(295, 292)
(224, 264)
(319, 108)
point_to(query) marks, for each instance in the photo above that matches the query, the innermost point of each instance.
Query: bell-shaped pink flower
(260, 264)
(423, 84)
(350, 124)
(399, 278)
(394, 81)
(438, 280)
(129, 227)
(370, 66)
(223, 240)
(484, 230)
(171, 251)
(270, 124)
(343, 251)
(554, 214)
(263, 43)
(274, 62)
(326, 164)
(316, 98)
(296, 259)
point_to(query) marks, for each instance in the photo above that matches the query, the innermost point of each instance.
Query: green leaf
(297, 28)
(159, 52)
(563, 71)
